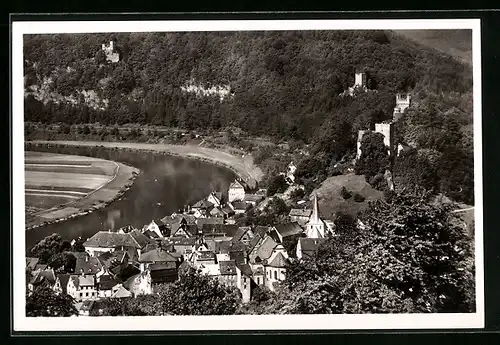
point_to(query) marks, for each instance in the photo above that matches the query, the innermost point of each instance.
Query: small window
(81, 294)
(275, 275)
(258, 281)
(245, 286)
(86, 294)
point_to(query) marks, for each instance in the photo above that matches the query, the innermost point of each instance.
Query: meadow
(59, 186)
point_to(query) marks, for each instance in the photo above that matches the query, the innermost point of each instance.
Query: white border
(238, 322)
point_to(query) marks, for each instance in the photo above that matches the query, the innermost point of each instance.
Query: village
(204, 236)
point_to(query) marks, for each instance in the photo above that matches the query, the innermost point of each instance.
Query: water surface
(165, 185)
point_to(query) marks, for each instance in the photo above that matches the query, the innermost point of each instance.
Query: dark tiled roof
(227, 229)
(203, 204)
(289, 229)
(209, 220)
(245, 269)
(181, 241)
(31, 263)
(157, 255)
(242, 230)
(190, 229)
(151, 234)
(297, 212)
(236, 184)
(279, 261)
(205, 256)
(309, 244)
(87, 305)
(177, 218)
(227, 267)
(238, 205)
(162, 266)
(63, 279)
(107, 282)
(105, 239)
(266, 248)
(111, 259)
(253, 197)
(88, 265)
(46, 275)
(40, 267)
(259, 233)
(79, 280)
(140, 238)
(237, 256)
(163, 275)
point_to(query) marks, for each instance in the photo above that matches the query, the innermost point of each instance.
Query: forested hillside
(284, 85)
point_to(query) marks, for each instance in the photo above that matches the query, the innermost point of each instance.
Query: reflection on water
(165, 185)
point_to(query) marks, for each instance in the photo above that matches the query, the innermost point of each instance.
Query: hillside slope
(284, 85)
(457, 43)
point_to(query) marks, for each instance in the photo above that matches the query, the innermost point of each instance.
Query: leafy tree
(64, 262)
(297, 194)
(85, 130)
(277, 184)
(47, 247)
(78, 245)
(358, 197)
(412, 169)
(374, 157)
(198, 294)
(45, 302)
(407, 256)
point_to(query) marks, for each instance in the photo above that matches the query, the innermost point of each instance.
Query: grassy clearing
(330, 200)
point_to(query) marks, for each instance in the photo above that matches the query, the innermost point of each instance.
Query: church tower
(315, 227)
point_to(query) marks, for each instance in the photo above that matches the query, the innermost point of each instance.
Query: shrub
(345, 193)
(358, 197)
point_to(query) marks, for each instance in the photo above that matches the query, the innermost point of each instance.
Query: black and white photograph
(246, 175)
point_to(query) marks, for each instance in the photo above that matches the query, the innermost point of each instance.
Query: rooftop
(298, 212)
(289, 229)
(107, 239)
(279, 261)
(227, 267)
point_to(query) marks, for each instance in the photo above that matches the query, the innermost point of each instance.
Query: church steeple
(315, 213)
(315, 227)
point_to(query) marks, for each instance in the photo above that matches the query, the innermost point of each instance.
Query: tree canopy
(406, 256)
(45, 302)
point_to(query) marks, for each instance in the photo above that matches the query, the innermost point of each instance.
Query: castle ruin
(111, 55)
(402, 103)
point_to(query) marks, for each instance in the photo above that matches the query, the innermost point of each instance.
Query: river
(165, 185)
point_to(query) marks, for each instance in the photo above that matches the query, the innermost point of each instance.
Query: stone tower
(360, 138)
(402, 103)
(360, 79)
(315, 227)
(387, 130)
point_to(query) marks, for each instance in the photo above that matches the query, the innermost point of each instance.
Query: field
(58, 186)
(330, 200)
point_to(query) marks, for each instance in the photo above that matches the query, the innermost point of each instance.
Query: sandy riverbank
(242, 166)
(100, 197)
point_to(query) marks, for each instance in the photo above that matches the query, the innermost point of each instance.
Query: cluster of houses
(131, 262)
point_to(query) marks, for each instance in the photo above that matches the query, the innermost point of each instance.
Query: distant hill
(457, 43)
(284, 85)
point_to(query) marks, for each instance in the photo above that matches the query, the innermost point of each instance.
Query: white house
(236, 192)
(82, 287)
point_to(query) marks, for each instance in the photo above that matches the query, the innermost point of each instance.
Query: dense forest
(284, 84)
